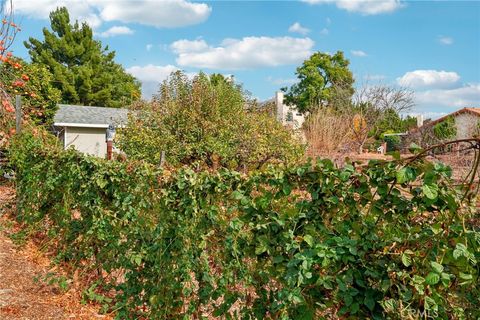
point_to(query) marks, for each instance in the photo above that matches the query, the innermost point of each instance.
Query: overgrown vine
(387, 240)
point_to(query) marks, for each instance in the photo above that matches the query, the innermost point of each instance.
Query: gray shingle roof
(89, 116)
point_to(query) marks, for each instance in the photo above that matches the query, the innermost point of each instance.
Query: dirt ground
(24, 292)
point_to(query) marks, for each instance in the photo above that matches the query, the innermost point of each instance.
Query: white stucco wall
(283, 112)
(86, 140)
(466, 124)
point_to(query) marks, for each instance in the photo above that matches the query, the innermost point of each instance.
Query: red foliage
(8, 106)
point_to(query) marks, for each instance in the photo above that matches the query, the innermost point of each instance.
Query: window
(289, 116)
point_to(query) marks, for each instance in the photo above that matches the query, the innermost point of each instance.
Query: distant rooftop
(83, 116)
(474, 111)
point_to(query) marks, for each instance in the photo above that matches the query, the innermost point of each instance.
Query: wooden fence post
(18, 114)
(162, 159)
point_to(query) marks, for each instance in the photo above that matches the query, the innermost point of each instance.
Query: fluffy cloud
(449, 99)
(358, 53)
(116, 31)
(445, 40)
(298, 28)
(151, 76)
(185, 46)
(439, 92)
(151, 72)
(161, 14)
(428, 79)
(80, 10)
(367, 7)
(248, 52)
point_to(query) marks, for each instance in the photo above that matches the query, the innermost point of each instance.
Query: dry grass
(328, 132)
(21, 295)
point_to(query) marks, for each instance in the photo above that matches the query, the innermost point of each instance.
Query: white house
(84, 128)
(288, 115)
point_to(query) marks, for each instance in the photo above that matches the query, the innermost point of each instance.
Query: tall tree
(324, 80)
(83, 70)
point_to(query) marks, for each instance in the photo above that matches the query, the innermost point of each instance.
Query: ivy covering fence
(385, 240)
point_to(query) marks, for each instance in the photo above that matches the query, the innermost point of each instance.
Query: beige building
(467, 122)
(84, 128)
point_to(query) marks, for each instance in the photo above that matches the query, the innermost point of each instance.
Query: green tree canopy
(206, 120)
(83, 70)
(324, 80)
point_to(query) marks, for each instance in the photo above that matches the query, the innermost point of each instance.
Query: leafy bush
(34, 84)
(205, 120)
(394, 143)
(388, 240)
(446, 129)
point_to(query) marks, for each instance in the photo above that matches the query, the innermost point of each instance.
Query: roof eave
(84, 125)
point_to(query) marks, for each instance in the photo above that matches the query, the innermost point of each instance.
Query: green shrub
(205, 121)
(446, 129)
(394, 143)
(303, 242)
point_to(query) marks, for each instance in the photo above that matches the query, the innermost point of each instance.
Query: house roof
(89, 117)
(474, 111)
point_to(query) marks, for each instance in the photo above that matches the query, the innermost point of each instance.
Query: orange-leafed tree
(8, 31)
(33, 82)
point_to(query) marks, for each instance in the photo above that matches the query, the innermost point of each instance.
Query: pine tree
(83, 70)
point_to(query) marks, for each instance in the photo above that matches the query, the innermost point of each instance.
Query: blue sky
(433, 47)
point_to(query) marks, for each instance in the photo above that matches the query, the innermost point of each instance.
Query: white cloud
(116, 31)
(248, 52)
(161, 14)
(427, 114)
(298, 28)
(79, 10)
(439, 92)
(185, 46)
(445, 40)
(366, 7)
(358, 53)
(429, 79)
(151, 72)
(149, 46)
(465, 96)
(324, 32)
(151, 76)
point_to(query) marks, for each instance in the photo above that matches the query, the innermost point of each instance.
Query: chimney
(279, 106)
(419, 120)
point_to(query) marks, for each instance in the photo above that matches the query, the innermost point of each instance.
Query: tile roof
(68, 115)
(475, 111)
